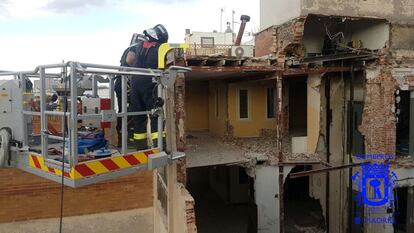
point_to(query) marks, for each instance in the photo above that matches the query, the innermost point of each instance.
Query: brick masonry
(265, 42)
(24, 196)
(280, 41)
(378, 119)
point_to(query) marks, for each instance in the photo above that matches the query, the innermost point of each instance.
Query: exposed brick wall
(190, 214)
(289, 38)
(265, 42)
(378, 119)
(25, 196)
(282, 40)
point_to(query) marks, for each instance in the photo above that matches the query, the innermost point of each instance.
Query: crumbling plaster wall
(338, 180)
(402, 37)
(393, 10)
(317, 182)
(402, 43)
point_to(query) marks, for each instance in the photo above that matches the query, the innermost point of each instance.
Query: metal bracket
(168, 78)
(108, 115)
(163, 159)
(177, 155)
(157, 160)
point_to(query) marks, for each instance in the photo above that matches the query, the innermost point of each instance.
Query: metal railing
(76, 71)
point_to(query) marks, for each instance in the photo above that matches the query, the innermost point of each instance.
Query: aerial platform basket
(71, 81)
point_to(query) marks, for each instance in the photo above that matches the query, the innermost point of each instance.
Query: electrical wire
(65, 108)
(332, 37)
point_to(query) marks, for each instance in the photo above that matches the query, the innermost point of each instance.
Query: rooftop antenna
(232, 20)
(221, 19)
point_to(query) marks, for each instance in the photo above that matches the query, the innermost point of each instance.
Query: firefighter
(143, 90)
(128, 59)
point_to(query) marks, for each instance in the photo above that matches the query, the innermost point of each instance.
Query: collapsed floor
(303, 214)
(218, 208)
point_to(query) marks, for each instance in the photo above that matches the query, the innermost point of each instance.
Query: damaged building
(276, 139)
(276, 135)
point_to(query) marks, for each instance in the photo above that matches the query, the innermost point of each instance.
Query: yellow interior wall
(257, 109)
(197, 106)
(217, 124)
(314, 109)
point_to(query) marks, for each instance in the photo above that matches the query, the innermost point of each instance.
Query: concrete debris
(306, 157)
(259, 147)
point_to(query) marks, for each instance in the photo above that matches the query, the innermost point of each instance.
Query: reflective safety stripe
(142, 136)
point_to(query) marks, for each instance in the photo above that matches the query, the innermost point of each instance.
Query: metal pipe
(54, 113)
(55, 137)
(124, 111)
(30, 113)
(160, 121)
(137, 113)
(94, 86)
(322, 170)
(43, 118)
(35, 71)
(57, 65)
(57, 164)
(17, 73)
(99, 116)
(89, 116)
(244, 19)
(93, 71)
(112, 97)
(25, 119)
(143, 71)
(74, 116)
(90, 65)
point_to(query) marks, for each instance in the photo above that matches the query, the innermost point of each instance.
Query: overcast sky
(35, 32)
